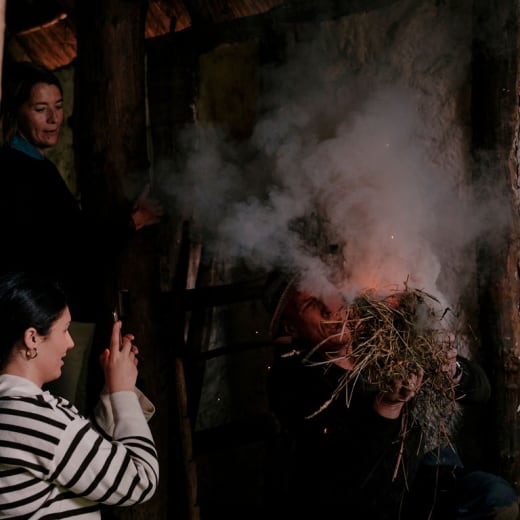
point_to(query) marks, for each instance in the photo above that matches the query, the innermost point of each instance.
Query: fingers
(405, 390)
(120, 362)
(120, 343)
(115, 338)
(450, 366)
(104, 356)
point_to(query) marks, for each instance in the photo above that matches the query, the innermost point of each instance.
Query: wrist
(457, 375)
(387, 409)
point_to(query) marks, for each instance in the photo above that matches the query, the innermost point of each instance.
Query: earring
(31, 354)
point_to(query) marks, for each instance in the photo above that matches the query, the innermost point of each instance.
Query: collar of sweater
(22, 145)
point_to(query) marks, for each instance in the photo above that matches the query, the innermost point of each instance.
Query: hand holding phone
(115, 317)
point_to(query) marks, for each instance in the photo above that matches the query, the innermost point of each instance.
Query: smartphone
(120, 308)
(115, 317)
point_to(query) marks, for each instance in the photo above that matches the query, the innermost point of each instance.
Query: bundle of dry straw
(393, 337)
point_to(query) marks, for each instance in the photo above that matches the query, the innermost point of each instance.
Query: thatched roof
(44, 30)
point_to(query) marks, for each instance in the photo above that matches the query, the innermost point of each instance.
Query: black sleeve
(474, 386)
(344, 456)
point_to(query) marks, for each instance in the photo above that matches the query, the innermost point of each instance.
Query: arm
(119, 363)
(123, 470)
(60, 458)
(471, 382)
(474, 386)
(103, 416)
(347, 454)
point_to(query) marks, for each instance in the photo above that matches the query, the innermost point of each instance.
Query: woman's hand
(452, 366)
(146, 211)
(119, 362)
(390, 404)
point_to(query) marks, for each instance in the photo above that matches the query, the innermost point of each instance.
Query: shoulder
(18, 167)
(10, 154)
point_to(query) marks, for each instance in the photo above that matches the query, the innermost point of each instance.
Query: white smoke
(364, 162)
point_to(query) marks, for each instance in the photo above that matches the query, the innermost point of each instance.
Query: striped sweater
(54, 463)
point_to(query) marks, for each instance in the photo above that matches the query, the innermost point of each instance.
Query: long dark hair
(27, 300)
(19, 78)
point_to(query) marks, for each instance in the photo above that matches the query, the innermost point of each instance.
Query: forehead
(63, 318)
(298, 300)
(44, 92)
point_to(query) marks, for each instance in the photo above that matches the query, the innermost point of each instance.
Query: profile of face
(41, 116)
(52, 348)
(309, 319)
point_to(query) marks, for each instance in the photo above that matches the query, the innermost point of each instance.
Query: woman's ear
(30, 337)
(290, 329)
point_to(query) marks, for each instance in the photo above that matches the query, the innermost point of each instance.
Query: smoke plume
(358, 179)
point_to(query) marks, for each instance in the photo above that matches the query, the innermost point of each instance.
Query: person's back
(42, 227)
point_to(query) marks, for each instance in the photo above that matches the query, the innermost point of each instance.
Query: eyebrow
(306, 303)
(60, 100)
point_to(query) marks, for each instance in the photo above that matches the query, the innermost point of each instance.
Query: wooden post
(2, 38)
(112, 165)
(190, 468)
(495, 143)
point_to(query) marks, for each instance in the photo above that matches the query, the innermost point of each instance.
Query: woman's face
(52, 348)
(312, 321)
(41, 116)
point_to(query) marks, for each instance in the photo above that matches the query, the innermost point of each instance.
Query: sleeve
(474, 386)
(343, 455)
(122, 471)
(103, 416)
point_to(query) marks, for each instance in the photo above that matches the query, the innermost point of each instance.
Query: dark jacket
(345, 461)
(42, 228)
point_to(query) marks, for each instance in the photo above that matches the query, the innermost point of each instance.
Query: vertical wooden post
(112, 165)
(2, 39)
(185, 426)
(495, 144)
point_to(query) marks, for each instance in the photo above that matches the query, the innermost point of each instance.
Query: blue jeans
(444, 490)
(481, 495)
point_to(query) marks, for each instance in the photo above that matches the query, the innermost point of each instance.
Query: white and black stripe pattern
(54, 464)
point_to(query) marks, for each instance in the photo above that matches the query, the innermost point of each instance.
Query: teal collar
(22, 145)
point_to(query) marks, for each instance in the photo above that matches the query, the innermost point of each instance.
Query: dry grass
(393, 337)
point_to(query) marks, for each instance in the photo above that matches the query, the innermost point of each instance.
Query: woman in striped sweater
(54, 463)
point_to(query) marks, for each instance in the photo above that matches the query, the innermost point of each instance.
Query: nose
(52, 116)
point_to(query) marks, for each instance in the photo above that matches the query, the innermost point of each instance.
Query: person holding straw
(368, 402)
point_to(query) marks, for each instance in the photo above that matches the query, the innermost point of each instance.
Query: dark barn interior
(242, 114)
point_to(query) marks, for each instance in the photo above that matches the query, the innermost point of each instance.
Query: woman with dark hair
(54, 463)
(41, 223)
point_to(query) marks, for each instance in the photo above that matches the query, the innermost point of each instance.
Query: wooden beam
(216, 295)
(203, 36)
(2, 39)
(50, 23)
